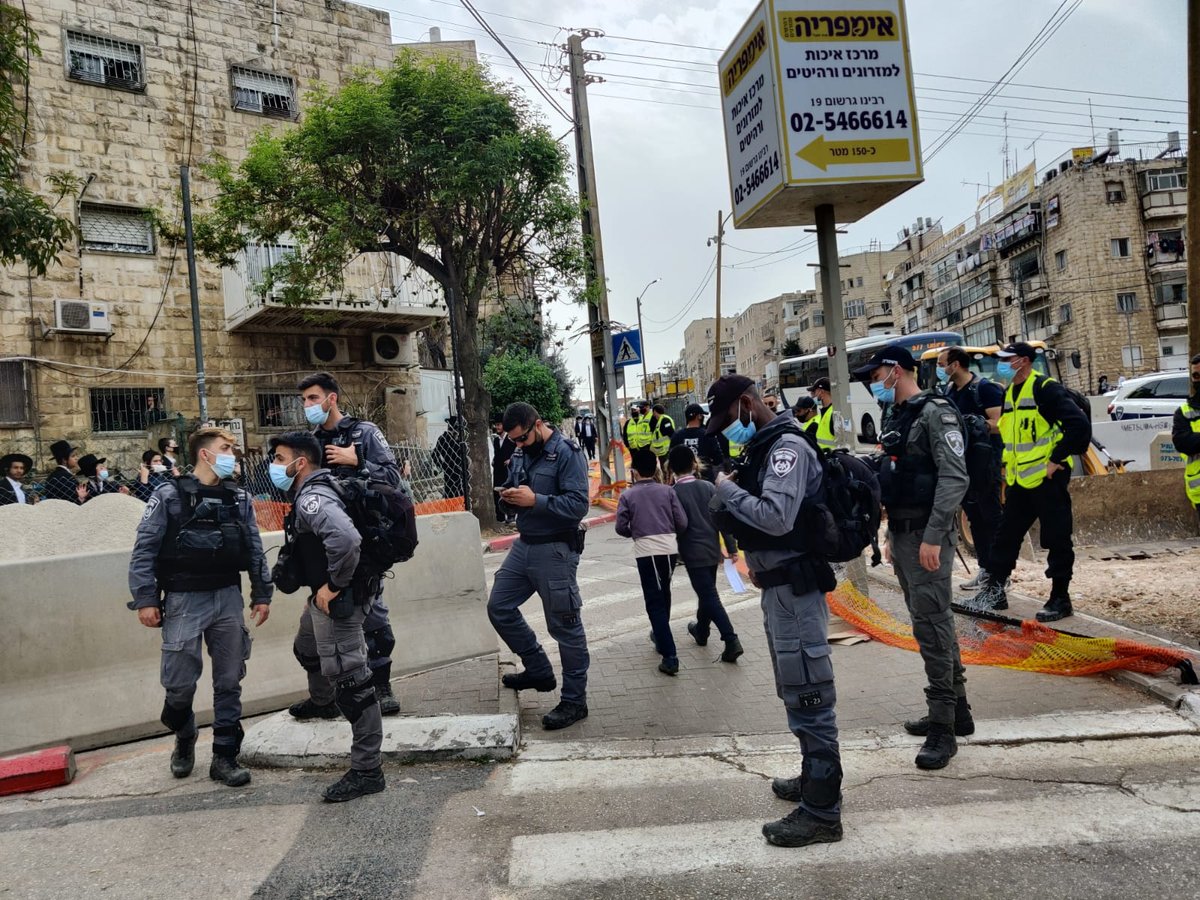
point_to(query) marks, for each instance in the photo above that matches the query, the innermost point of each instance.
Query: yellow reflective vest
(826, 439)
(661, 443)
(1191, 474)
(638, 433)
(1029, 439)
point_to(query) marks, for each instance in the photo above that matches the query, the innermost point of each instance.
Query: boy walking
(700, 550)
(651, 514)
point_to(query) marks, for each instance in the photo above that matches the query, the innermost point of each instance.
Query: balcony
(1035, 287)
(879, 316)
(1163, 204)
(1171, 315)
(1045, 333)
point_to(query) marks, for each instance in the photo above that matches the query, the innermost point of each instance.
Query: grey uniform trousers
(797, 627)
(927, 596)
(343, 677)
(216, 618)
(549, 570)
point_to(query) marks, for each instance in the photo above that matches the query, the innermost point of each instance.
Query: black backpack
(385, 519)
(842, 518)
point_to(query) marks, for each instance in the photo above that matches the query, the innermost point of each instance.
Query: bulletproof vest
(306, 551)
(207, 544)
(748, 471)
(342, 436)
(906, 480)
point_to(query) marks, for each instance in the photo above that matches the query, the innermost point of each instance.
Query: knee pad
(175, 717)
(355, 696)
(380, 642)
(233, 734)
(821, 780)
(307, 663)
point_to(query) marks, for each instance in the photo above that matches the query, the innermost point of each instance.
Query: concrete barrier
(1131, 508)
(77, 668)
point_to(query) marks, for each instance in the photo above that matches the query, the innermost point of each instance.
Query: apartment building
(698, 356)
(121, 96)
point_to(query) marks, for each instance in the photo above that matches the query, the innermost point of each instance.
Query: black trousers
(984, 512)
(1048, 504)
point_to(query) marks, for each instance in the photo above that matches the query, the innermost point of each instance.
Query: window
(1167, 181)
(105, 61)
(1142, 391)
(855, 309)
(913, 325)
(1131, 356)
(981, 334)
(858, 281)
(819, 319)
(1175, 388)
(1127, 303)
(14, 393)
(1060, 260)
(126, 409)
(115, 229)
(261, 257)
(1064, 314)
(1114, 192)
(264, 93)
(1170, 292)
(1120, 247)
(280, 409)
(1025, 266)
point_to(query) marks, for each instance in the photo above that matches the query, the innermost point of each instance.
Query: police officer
(705, 446)
(353, 447)
(638, 436)
(548, 486)
(330, 639)
(1185, 434)
(805, 412)
(662, 428)
(822, 392)
(923, 479)
(197, 535)
(780, 469)
(1041, 428)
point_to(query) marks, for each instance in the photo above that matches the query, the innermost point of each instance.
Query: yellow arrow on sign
(822, 153)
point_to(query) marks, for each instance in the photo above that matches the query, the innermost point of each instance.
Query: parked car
(1149, 396)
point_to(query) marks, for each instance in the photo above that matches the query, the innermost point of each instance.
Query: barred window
(261, 257)
(264, 93)
(127, 409)
(115, 229)
(280, 409)
(105, 61)
(14, 393)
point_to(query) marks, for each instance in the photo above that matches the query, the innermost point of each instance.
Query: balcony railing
(1170, 313)
(1156, 204)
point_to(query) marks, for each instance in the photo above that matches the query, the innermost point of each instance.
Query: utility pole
(599, 325)
(193, 288)
(720, 239)
(1193, 164)
(642, 333)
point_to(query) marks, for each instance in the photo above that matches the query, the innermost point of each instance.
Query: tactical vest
(661, 443)
(339, 437)
(207, 545)
(1029, 438)
(749, 537)
(1191, 474)
(638, 433)
(826, 439)
(907, 481)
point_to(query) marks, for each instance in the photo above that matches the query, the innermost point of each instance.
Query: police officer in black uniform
(353, 447)
(196, 537)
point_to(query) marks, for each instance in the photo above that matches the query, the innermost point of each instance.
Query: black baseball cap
(821, 384)
(805, 402)
(1020, 348)
(693, 410)
(894, 355)
(721, 397)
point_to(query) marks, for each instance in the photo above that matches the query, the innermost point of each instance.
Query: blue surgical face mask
(279, 476)
(316, 414)
(223, 465)
(942, 375)
(102, 474)
(1004, 370)
(738, 432)
(883, 394)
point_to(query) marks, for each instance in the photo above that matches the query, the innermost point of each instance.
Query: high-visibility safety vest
(826, 439)
(1191, 474)
(735, 450)
(1028, 437)
(661, 443)
(638, 433)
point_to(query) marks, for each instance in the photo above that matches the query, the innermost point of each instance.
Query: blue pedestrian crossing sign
(627, 348)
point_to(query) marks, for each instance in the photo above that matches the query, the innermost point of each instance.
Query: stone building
(1091, 259)
(755, 334)
(698, 357)
(122, 95)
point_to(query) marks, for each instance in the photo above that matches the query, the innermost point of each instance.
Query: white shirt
(16, 486)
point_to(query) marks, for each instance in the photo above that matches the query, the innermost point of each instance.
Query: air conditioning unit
(388, 349)
(329, 351)
(81, 317)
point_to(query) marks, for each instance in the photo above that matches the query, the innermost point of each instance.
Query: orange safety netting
(606, 496)
(271, 513)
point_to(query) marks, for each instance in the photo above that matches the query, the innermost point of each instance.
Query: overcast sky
(659, 144)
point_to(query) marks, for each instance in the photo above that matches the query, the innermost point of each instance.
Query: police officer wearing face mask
(780, 469)
(196, 537)
(923, 479)
(1185, 434)
(326, 552)
(352, 447)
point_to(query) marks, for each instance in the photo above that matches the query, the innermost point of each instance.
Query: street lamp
(641, 333)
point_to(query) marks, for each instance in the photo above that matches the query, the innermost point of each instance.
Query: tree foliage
(513, 377)
(30, 231)
(429, 160)
(791, 347)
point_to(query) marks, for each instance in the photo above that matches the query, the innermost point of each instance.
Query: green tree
(791, 347)
(429, 160)
(30, 231)
(519, 377)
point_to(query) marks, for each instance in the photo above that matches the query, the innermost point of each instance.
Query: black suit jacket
(8, 496)
(61, 485)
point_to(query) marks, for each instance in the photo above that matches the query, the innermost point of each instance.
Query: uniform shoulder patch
(151, 506)
(311, 504)
(955, 440)
(949, 418)
(783, 460)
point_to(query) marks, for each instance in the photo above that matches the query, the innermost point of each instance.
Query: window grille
(126, 409)
(115, 229)
(105, 61)
(14, 393)
(264, 93)
(280, 409)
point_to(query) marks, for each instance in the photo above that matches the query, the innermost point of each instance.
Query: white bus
(797, 374)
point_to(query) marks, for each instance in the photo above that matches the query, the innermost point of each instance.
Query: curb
(503, 543)
(37, 771)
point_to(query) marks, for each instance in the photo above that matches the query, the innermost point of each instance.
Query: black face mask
(534, 448)
(1196, 385)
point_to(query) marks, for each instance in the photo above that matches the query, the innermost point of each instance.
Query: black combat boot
(307, 709)
(992, 598)
(388, 704)
(790, 789)
(523, 681)
(1057, 607)
(355, 784)
(699, 635)
(800, 828)
(963, 723)
(184, 756)
(939, 747)
(226, 770)
(566, 713)
(733, 649)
